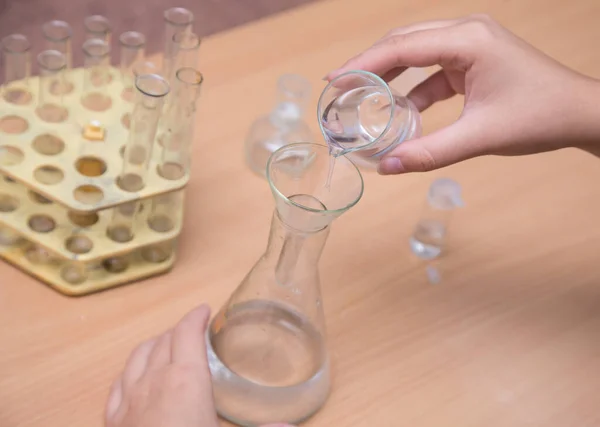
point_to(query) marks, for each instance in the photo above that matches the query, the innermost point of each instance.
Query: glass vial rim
(169, 16)
(97, 24)
(45, 58)
(55, 23)
(186, 40)
(152, 85)
(189, 76)
(90, 45)
(8, 40)
(322, 109)
(141, 39)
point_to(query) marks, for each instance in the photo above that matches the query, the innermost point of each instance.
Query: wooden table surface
(508, 338)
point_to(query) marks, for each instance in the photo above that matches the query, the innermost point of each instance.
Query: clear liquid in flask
(266, 352)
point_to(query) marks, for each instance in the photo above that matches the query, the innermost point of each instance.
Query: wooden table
(508, 338)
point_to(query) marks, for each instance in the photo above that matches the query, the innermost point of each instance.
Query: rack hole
(38, 255)
(88, 194)
(96, 101)
(83, 219)
(49, 145)
(9, 237)
(126, 120)
(90, 166)
(171, 171)
(157, 253)
(79, 244)
(38, 198)
(161, 223)
(13, 124)
(120, 233)
(73, 274)
(48, 175)
(115, 264)
(8, 203)
(52, 113)
(18, 96)
(42, 223)
(130, 182)
(10, 156)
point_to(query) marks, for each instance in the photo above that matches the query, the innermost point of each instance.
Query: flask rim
(287, 200)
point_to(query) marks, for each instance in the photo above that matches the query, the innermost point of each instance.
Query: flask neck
(296, 253)
(286, 113)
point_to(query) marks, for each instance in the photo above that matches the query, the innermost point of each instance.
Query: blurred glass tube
(57, 36)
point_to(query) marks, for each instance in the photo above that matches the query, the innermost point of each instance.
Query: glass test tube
(178, 133)
(139, 69)
(165, 210)
(133, 46)
(97, 27)
(151, 90)
(52, 64)
(177, 19)
(183, 53)
(96, 76)
(58, 36)
(16, 53)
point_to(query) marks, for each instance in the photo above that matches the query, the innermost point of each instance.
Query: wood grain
(508, 338)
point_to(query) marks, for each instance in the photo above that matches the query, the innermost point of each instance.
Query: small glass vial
(96, 78)
(58, 35)
(52, 65)
(363, 118)
(428, 238)
(282, 126)
(97, 27)
(16, 55)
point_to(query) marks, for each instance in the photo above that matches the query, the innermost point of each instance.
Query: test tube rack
(58, 189)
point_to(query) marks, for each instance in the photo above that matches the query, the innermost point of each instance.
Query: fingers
(435, 88)
(438, 46)
(137, 363)
(188, 345)
(420, 26)
(161, 353)
(115, 398)
(457, 142)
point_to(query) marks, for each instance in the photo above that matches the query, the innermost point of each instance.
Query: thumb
(447, 146)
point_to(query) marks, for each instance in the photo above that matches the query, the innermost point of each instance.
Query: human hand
(517, 99)
(166, 381)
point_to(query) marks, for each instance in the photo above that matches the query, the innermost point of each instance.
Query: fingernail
(390, 165)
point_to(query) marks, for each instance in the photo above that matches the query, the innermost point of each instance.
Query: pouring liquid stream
(334, 153)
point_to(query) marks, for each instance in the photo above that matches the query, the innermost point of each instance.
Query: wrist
(584, 115)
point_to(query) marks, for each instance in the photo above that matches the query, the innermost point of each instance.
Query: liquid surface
(269, 345)
(357, 117)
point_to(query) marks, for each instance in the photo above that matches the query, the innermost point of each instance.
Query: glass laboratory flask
(267, 346)
(282, 126)
(428, 237)
(363, 118)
